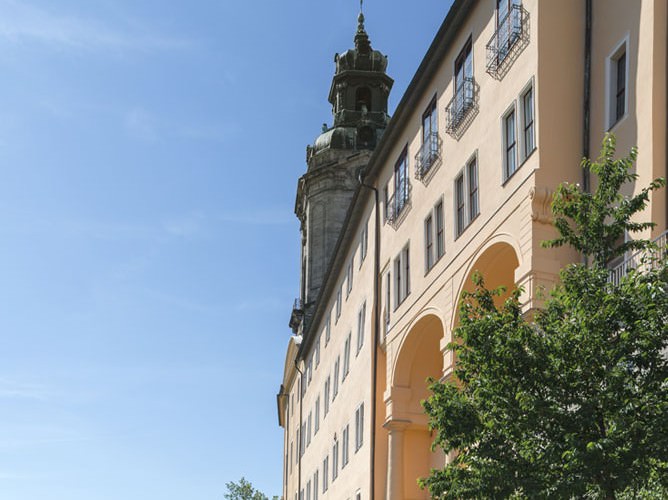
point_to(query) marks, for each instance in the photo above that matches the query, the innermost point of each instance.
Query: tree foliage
(573, 404)
(243, 490)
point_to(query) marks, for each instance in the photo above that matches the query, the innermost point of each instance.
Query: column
(395, 459)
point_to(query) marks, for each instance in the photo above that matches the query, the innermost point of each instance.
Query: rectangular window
(429, 242)
(338, 303)
(325, 474)
(335, 389)
(335, 459)
(349, 276)
(509, 145)
(472, 170)
(402, 276)
(527, 123)
(317, 352)
(401, 187)
(315, 485)
(309, 428)
(328, 327)
(440, 230)
(388, 298)
(364, 242)
(429, 150)
(346, 357)
(308, 490)
(460, 204)
(345, 445)
(617, 85)
(463, 81)
(386, 203)
(309, 371)
(467, 204)
(325, 396)
(316, 416)
(361, 318)
(359, 427)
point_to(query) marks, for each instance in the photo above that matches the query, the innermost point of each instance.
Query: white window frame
(328, 327)
(464, 174)
(611, 120)
(439, 239)
(339, 299)
(316, 416)
(507, 173)
(429, 252)
(524, 151)
(402, 279)
(345, 446)
(359, 427)
(335, 387)
(346, 357)
(349, 276)
(326, 394)
(361, 320)
(325, 474)
(364, 242)
(335, 459)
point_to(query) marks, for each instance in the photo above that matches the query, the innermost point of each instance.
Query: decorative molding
(541, 201)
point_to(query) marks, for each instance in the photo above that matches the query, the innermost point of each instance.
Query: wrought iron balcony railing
(511, 36)
(461, 107)
(297, 315)
(428, 155)
(642, 259)
(398, 203)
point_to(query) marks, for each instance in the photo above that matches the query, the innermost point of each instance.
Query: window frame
(612, 117)
(467, 187)
(525, 152)
(346, 357)
(510, 149)
(361, 320)
(402, 268)
(359, 427)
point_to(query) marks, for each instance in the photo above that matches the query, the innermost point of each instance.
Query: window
(464, 81)
(529, 143)
(434, 237)
(345, 445)
(508, 26)
(617, 82)
(386, 204)
(335, 389)
(429, 242)
(317, 352)
(325, 396)
(335, 459)
(429, 151)
(309, 371)
(467, 204)
(509, 145)
(361, 316)
(401, 186)
(359, 427)
(338, 303)
(388, 297)
(328, 327)
(472, 171)
(346, 357)
(302, 440)
(316, 421)
(325, 474)
(308, 428)
(358, 496)
(349, 276)
(315, 485)
(364, 242)
(440, 230)
(401, 276)
(308, 490)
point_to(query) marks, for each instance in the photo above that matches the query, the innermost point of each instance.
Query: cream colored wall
(514, 216)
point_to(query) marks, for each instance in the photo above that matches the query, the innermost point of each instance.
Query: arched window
(363, 99)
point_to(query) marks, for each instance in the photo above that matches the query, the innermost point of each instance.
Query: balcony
(297, 315)
(398, 205)
(509, 40)
(462, 108)
(644, 259)
(428, 157)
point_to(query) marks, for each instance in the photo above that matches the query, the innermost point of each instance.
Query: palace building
(396, 214)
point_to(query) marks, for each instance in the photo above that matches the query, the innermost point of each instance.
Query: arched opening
(419, 358)
(497, 266)
(363, 99)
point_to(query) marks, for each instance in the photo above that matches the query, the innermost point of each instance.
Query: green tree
(573, 404)
(243, 490)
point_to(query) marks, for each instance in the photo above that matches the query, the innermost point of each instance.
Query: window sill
(621, 119)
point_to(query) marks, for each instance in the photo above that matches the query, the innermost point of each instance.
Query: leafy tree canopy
(243, 490)
(573, 404)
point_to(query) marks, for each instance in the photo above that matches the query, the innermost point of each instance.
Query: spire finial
(361, 38)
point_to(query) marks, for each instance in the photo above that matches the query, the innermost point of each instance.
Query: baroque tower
(358, 95)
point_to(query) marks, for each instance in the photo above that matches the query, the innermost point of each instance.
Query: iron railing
(646, 258)
(397, 203)
(510, 37)
(428, 155)
(461, 104)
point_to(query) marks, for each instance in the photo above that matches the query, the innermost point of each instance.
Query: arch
(496, 260)
(363, 98)
(418, 358)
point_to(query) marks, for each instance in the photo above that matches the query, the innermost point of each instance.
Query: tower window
(363, 99)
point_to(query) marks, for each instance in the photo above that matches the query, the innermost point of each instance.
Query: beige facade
(463, 175)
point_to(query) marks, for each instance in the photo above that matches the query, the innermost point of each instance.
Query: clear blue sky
(149, 155)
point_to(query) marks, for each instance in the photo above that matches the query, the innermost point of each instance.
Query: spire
(362, 43)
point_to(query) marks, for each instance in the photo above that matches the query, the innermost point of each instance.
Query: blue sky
(149, 154)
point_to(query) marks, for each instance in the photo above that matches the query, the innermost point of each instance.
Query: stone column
(395, 459)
